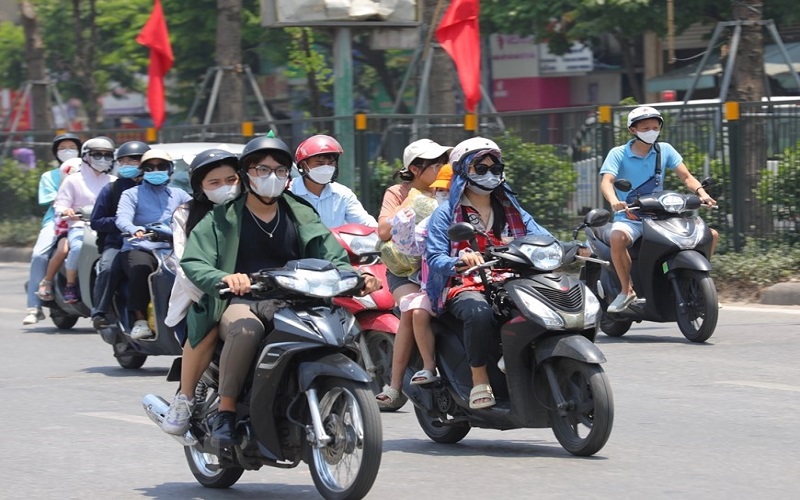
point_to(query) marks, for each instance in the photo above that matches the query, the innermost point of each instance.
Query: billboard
(379, 13)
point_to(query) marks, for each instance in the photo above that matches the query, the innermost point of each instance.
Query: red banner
(460, 38)
(155, 36)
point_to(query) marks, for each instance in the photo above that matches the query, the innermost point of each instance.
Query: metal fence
(757, 199)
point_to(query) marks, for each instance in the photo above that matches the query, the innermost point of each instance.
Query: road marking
(119, 416)
(762, 309)
(762, 385)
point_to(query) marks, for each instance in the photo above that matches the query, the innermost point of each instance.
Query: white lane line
(119, 416)
(762, 385)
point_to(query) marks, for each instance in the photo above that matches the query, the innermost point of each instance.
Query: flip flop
(45, 291)
(481, 396)
(387, 397)
(423, 377)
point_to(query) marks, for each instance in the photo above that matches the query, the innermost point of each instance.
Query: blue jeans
(106, 282)
(39, 259)
(479, 325)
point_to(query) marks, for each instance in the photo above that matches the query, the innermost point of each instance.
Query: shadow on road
(483, 448)
(52, 330)
(119, 372)
(241, 490)
(633, 338)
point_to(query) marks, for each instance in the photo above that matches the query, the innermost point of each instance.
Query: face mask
(648, 137)
(128, 171)
(268, 187)
(322, 174)
(441, 196)
(66, 154)
(223, 194)
(484, 184)
(156, 177)
(100, 165)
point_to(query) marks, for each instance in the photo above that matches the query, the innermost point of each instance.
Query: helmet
(132, 148)
(317, 145)
(157, 154)
(262, 145)
(471, 145)
(643, 113)
(204, 162)
(100, 143)
(69, 136)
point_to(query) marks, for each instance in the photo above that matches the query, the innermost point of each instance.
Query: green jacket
(213, 245)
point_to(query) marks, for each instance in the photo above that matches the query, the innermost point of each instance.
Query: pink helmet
(317, 145)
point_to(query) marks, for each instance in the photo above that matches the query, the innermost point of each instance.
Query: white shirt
(336, 205)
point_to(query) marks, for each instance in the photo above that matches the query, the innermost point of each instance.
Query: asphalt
(781, 294)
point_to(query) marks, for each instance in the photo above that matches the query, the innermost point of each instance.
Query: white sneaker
(176, 421)
(34, 316)
(621, 302)
(141, 331)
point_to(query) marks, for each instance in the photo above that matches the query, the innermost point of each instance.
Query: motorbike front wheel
(589, 418)
(614, 328)
(698, 320)
(346, 467)
(205, 468)
(447, 434)
(381, 349)
(64, 321)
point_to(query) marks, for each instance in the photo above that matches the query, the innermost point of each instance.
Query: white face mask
(268, 187)
(484, 184)
(322, 174)
(66, 154)
(441, 196)
(648, 137)
(100, 165)
(223, 194)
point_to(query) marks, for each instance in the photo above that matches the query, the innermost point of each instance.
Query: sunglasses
(496, 168)
(101, 156)
(149, 167)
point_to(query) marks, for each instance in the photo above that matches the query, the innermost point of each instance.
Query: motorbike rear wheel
(699, 320)
(64, 321)
(131, 361)
(446, 434)
(584, 430)
(346, 467)
(614, 328)
(205, 468)
(381, 349)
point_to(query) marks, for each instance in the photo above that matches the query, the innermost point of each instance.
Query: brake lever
(486, 264)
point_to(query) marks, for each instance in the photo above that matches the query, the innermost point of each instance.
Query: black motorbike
(553, 376)
(670, 266)
(132, 354)
(307, 399)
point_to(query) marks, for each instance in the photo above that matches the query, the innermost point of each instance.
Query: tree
(229, 57)
(34, 55)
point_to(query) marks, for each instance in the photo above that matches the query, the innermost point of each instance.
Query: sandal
(387, 397)
(45, 291)
(481, 396)
(423, 377)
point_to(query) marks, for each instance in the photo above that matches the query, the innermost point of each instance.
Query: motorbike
(553, 374)
(670, 266)
(376, 312)
(63, 314)
(307, 398)
(132, 354)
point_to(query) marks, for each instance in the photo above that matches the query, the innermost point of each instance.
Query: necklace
(277, 220)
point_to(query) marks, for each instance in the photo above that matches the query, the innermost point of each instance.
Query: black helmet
(204, 162)
(68, 136)
(262, 145)
(132, 148)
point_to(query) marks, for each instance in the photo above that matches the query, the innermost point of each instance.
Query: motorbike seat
(603, 233)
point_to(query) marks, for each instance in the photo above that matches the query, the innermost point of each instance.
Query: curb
(16, 254)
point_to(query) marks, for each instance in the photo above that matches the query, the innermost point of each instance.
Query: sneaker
(502, 364)
(141, 330)
(34, 316)
(176, 421)
(70, 293)
(621, 302)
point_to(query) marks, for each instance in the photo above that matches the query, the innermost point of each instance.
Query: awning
(774, 66)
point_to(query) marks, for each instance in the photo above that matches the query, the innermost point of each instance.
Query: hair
(197, 210)
(276, 154)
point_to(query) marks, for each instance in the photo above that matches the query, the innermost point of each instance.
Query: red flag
(154, 35)
(460, 38)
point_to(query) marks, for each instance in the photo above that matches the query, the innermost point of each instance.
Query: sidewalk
(782, 294)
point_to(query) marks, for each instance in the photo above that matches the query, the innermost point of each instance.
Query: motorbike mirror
(708, 182)
(597, 217)
(623, 184)
(463, 231)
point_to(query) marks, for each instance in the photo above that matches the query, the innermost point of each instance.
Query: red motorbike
(375, 312)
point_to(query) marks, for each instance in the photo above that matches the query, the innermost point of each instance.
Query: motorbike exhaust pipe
(156, 408)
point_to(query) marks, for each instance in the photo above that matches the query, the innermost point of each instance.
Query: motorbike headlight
(535, 306)
(317, 283)
(591, 309)
(672, 202)
(545, 258)
(360, 244)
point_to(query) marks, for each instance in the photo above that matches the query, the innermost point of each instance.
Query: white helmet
(100, 143)
(471, 145)
(643, 113)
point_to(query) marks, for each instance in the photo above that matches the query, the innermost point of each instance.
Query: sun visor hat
(425, 149)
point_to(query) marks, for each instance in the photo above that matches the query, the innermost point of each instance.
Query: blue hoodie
(441, 261)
